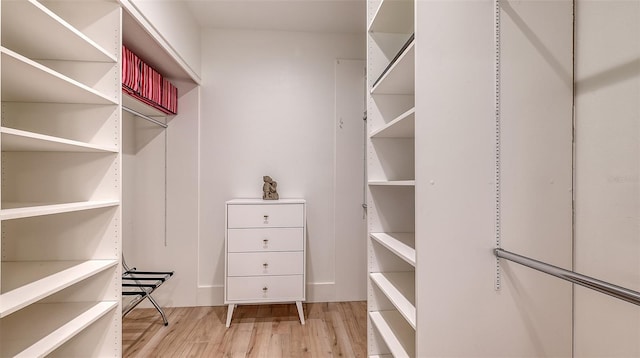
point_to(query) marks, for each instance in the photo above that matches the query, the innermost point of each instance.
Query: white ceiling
(336, 16)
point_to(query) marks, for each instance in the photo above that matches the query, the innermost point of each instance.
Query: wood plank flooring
(336, 329)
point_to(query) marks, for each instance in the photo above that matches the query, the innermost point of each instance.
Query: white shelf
(401, 244)
(399, 287)
(141, 107)
(400, 78)
(57, 324)
(24, 80)
(401, 127)
(392, 182)
(398, 336)
(22, 141)
(27, 282)
(145, 42)
(21, 210)
(391, 17)
(36, 32)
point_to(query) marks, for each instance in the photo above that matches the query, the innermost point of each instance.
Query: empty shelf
(398, 336)
(18, 140)
(33, 30)
(399, 287)
(400, 243)
(25, 210)
(24, 80)
(401, 127)
(57, 324)
(27, 282)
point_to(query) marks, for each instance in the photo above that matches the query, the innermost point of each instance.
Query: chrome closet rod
(610, 289)
(143, 116)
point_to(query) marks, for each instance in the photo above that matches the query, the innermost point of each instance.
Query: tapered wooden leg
(300, 312)
(229, 314)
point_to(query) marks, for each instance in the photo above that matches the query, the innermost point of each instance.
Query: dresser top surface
(258, 201)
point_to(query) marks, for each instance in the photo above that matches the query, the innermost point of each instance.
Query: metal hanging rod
(579, 279)
(143, 116)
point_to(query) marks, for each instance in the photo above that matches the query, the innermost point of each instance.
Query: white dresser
(265, 253)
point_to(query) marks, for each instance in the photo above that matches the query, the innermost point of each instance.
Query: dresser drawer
(262, 215)
(265, 263)
(265, 288)
(272, 239)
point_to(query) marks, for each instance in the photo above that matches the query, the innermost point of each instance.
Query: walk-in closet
(315, 178)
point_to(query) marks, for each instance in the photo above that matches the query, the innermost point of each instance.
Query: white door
(350, 222)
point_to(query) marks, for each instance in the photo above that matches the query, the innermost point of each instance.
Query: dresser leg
(229, 314)
(300, 312)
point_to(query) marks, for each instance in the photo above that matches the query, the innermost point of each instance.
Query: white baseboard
(210, 296)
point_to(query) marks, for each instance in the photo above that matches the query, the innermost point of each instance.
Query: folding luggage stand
(141, 284)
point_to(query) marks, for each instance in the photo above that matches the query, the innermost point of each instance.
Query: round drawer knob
(265, 289)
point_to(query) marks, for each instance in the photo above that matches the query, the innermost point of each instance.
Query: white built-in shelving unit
(391, 178)
(60, 211)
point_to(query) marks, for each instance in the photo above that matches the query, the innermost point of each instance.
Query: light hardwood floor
(336, 329)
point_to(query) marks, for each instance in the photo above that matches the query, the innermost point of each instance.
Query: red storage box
(144, 83)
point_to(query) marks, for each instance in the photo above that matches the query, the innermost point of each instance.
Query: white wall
(459, 313)
(607, 180)
(268, 108)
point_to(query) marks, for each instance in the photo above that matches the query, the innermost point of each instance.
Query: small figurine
(269, 188)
